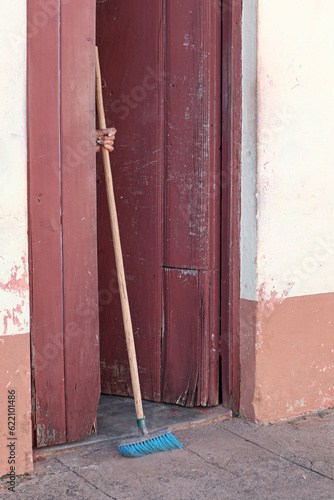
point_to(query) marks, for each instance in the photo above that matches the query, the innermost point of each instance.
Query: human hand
(105, 137)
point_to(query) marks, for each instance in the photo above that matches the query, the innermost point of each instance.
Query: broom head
(152, 442)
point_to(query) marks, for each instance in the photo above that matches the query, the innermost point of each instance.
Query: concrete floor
(116, 420)
(116, 417)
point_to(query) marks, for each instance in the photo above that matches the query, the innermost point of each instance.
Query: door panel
(78, 192)
(62, 220)
(130, 46)
(160, 63)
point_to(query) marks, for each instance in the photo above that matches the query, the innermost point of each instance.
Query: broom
(146, 442)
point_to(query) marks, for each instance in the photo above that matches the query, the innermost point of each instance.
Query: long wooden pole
(118, 253)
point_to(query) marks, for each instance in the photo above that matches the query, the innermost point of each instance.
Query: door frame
(231, 200)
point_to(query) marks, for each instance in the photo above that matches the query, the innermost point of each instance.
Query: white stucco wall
(292, 191)
(14, 300)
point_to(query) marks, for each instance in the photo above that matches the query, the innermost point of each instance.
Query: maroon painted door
(161, 67)
(62, 220)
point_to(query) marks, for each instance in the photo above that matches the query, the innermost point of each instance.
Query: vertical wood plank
(211, 339)
(78, 191)
(192, 233)
(129, 37)
(235, 202)
(230, 249)
(182, 343)
(226, 343)
(45, 225)
(190, 354)
(192, 202)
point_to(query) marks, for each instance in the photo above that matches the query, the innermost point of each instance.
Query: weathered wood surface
(62, 220)
(192, 202)
(192, 125)
(231, 193)
(78, 191)
(45, 228)
(161, 70)
(190, 355)
(129, 38)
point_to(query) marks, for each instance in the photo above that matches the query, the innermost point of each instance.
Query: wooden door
(62, 220)
(161, 67)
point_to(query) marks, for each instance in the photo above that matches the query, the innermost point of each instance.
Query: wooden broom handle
(130, 344)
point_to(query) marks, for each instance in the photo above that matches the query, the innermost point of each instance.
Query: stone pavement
(228, 459)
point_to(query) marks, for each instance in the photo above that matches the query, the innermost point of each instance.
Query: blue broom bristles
(150, 445)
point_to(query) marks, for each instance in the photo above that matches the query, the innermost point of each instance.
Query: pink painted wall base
(15, 405)
(287, 356)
